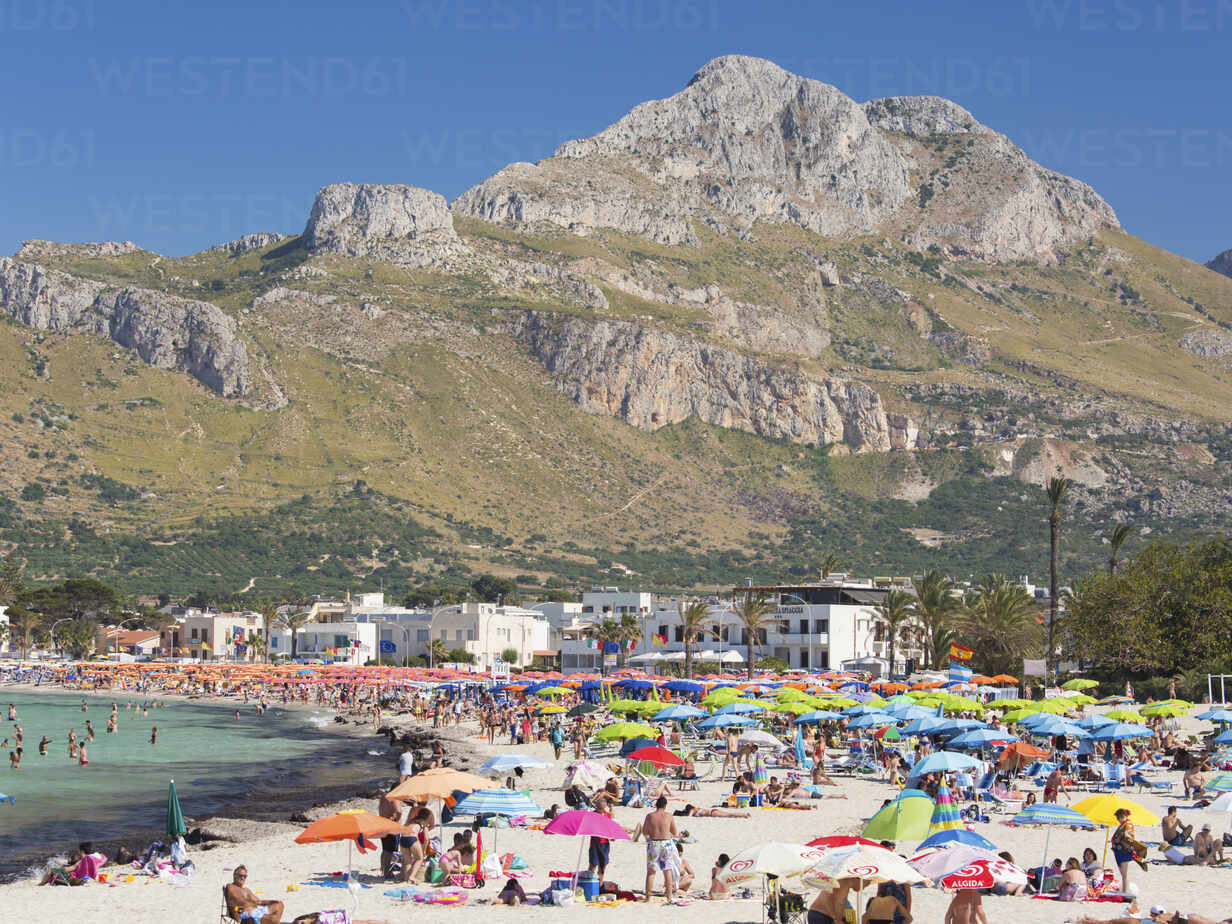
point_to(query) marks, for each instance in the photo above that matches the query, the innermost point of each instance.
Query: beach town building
(210, 636)
(136, 642)
(572, 646)
(401, 633)
(486, 631)
(336, 641)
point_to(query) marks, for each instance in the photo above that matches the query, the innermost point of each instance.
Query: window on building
(823, 660)
(663, 629)
(421, 635)
(444, 635)
(821, 626)
(457, 635)
(680, 633)
(205, 635)
(340, 641)
(804, 627)
(804, 658)
(194, 635)
(273, 641)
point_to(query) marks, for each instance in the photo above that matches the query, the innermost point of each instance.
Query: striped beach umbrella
(957, 836)
(1221, 782)
(1051, 814)
(505, 802)
(945, 813)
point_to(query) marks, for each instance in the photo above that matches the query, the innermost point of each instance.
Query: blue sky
(180, 125)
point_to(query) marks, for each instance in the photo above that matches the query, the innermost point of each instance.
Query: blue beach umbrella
(957, 836)
(723, 721)
(1220, 716)
(505, 763)
(925, 725)
(684, 686)
(817, 717)
(1120, 732)
(1055, 725)
(1221, 782)
(506, 802)
(1051, 814)
(944, 762)
(739, 709)
(677, 713)
(871, 720)
(977, 738)
(1224, 737)
(1094, 721)
(862, 709)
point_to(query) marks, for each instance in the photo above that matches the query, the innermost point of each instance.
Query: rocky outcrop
(258, 240)
(164, 330)
(1222, 263)
(1207, 342)
(574, 288)
(651, 378)
(401, 224)
(748, 142)
(33, 250)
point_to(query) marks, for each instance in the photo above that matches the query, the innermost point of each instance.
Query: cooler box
(742, 800)
(588, 882)
(566, 884)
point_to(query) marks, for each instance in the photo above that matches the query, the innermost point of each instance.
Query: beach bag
(466, 881)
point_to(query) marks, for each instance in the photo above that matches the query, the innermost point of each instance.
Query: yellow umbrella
(551, 710)
(1102, 810)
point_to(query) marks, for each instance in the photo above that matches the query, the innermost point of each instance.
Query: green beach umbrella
(622, 730)
(1123, 715)
(175, 817)
(1080, 683)
(907, 818)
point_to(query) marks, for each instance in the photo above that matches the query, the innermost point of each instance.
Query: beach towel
(89, 866)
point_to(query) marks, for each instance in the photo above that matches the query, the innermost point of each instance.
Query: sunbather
(244, 906)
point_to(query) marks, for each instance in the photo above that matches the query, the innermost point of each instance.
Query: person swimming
(89, 730)
(43, 746)
(154, 735)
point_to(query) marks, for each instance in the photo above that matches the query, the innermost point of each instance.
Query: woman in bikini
(692, 811)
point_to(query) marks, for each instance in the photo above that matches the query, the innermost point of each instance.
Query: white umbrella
(936, 864)
(761, 739)
(586, 775)
(648, 656)
(868, 864)
(772, 859)
(1221, 806)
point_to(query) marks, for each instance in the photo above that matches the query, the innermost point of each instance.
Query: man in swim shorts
(659, 827)
(244, 906)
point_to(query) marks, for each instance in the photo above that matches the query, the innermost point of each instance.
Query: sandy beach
(280, 869)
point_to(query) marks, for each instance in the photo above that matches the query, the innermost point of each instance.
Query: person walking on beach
(406, 763)
(659, 827)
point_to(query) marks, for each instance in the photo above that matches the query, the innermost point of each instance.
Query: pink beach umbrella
(578, 823)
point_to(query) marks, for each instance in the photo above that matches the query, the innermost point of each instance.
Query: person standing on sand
(967, 907)
(406, 763)
(659, 827)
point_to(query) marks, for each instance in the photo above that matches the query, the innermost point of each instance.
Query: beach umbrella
(1224, 737)
(579, 823)
(945, 815)
(816, 718)
(1221, 716)
(354, 826)
(771, 859)
(906, 818)
(677, 713)
(175, 817)
(1102, 810)
(438, 783)
(551, 691)
(504, 763)
(957, 836)
(582, 709)
(984, 874)
(585, 774)
(1221, 806)
(944, 762)
(621, 730)
(549, 709)
(1051, 814)
(924, 725)
(740, 708)
(841, 840)
(725, 721)
(1055, 725)
(862, 709)
(868, 864)
(1167, 708)
(1080, 683)
(1094, 721)
(1019, 753)
(684, 686)
(938, 863)
(507, 802)
(1120, 732)
(979, 738)
(660, 757)
(761, 739)
(1122, 715)
(1221, 782)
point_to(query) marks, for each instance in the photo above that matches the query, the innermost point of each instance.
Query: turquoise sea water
(257, 766)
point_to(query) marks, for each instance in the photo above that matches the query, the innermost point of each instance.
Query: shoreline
(271, 807)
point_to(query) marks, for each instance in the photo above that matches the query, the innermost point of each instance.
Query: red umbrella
(653, 754)
(842, 840)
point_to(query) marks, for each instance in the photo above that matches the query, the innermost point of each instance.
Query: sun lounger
(1155, 785)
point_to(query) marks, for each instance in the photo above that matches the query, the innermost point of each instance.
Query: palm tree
(829, 562)
(1002, 623)
(293, 620)
(1120, 533)
(756, 613)
(269, 616)
(694, 615)
(1056, 489)
(896, 614)
(935, 604)
(437, 651)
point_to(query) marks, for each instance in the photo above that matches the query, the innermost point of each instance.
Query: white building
(573, 623)
(338, 642)
(821, 626)
(485, 630)
(401, 633)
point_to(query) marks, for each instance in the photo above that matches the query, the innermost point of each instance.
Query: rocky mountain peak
(747, 142)
(1222, 263)
(402, 224)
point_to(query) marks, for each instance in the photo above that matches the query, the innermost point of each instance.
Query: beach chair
(1160, 786)
(1112, 778)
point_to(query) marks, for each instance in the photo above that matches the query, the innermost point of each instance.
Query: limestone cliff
(1222, 263)
(651, 378)
(166, 331)
(748, 142)
(401, 224)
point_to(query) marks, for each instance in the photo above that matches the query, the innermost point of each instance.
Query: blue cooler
(588, 882)
(558, 884)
